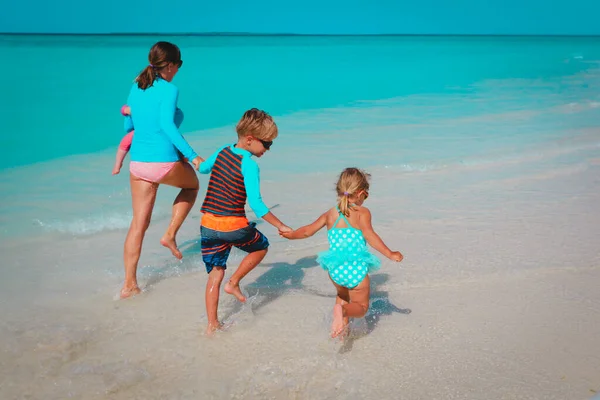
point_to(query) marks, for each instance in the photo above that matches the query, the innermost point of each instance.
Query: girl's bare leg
(356, 307)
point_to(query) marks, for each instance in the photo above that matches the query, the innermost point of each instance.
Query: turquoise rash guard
(153, 112)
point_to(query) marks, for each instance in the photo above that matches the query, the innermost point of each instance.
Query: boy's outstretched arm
(373, 238)
(251, 174)
(276, 222)
(307, 230)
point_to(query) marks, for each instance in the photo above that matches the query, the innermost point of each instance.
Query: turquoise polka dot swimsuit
(348, 259)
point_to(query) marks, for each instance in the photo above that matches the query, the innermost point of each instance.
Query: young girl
(125, 144)
(348, 259)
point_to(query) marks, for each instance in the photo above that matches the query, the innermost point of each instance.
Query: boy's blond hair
(350, 183)
(258, 124)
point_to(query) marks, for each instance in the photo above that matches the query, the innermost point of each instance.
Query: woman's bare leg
(182, 176)
(143, 195)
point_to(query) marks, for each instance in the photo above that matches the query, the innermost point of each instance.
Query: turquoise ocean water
(62, 98)
(417, 97)
(484, 154)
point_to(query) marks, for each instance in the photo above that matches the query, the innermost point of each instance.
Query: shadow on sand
(281, 277)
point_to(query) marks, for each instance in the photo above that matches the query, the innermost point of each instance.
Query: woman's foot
(169, 242)
(130, 291)
(338, 326)
(235, 290)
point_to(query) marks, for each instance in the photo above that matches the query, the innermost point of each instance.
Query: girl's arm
(307, 230)
(373, 238)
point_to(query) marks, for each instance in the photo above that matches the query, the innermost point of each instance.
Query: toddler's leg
(124, 147)
(119, 161)
(213, 287)
(248, 264)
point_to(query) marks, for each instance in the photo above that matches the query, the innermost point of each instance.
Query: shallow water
(484, 155)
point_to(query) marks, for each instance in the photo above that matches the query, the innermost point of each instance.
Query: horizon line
(250, 34)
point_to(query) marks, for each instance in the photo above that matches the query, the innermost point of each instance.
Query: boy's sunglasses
(179, 63)
(266, 143)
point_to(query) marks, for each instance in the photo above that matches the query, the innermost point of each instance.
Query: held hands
(396, 256)
(285, 231)
(197, 161)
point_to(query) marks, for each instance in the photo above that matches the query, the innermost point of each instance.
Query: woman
(159, 155)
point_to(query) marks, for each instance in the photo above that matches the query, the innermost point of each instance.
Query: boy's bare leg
(213, 287)
(248, 264)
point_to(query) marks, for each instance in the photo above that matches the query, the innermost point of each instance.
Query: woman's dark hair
(161, 54)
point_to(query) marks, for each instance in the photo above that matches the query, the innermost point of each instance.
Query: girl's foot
(338, 326)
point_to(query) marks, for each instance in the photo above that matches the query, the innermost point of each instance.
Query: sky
(496, 17)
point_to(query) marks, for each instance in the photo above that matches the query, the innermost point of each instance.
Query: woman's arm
(167, 123)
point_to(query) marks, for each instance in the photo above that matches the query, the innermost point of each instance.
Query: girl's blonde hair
(350, 183)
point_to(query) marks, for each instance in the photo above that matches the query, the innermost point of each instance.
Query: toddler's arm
(307, 230)
(373, 238)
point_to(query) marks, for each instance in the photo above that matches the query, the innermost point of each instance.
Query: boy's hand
(396, 256)
(285, 229)
(197, 161)
(287, 235)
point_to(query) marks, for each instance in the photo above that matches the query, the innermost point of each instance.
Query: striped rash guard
(234, 178)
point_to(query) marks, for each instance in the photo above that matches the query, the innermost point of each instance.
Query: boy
(235, 178)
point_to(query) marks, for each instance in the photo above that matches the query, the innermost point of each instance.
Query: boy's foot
(235, 290)
(212, 328)
(128, 292)
(337, 326)
(169, 242)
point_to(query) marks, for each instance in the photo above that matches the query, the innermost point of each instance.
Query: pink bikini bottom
(151, 171)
